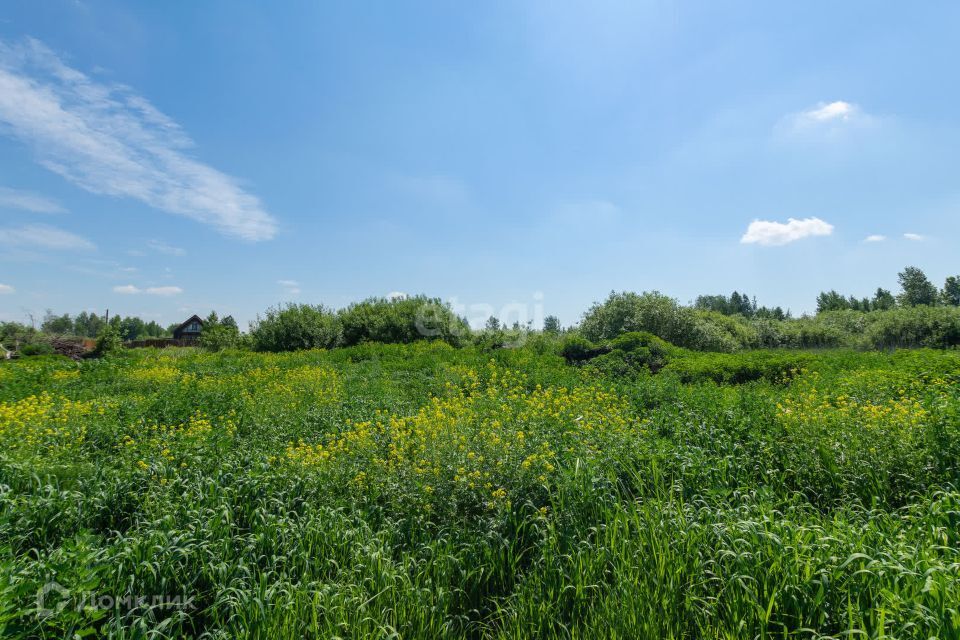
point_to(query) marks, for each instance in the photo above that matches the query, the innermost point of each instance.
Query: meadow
(427, 491)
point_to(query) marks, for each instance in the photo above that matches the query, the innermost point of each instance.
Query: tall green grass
(820, 504)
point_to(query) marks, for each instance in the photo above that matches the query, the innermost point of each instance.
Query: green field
(424, 491)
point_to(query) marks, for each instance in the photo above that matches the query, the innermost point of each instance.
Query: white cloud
(27, 201)
(5, 288)
(129, 289)
(916, 237)
(771, 234)
(108, 140)
(875, 238)
(291, 287)
(162, 247)
(163, 291)
(827, 118)
(44, 237)
(825, 112)
(126, 289)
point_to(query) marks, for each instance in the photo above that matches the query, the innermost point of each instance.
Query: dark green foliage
(634, 352)
(738, 368)
(36, 349)
(662, 316)
(922, 326)
(88, 325)
(108, 342)
(296, 326)
(551, 324)
(402, 321)
(950, 295)
(57, 324)
(737, 304)
(575, 349)
(218, 335)
(915, 288)
(882, 300)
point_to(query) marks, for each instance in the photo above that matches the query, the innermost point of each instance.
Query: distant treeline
(89, 325)
(920, 315)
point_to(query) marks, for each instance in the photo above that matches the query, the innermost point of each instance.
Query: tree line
(916, 290)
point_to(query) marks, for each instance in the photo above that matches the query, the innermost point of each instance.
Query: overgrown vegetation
(426, 491)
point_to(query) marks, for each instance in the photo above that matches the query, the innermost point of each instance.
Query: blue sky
(162, 159)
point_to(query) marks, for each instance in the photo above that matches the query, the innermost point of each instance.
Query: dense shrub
(575, 348)
(770, 333)
(401, 321)
(218, 335)
(662, 316)
(36, 349)
(108, 341)
(934, 327)
(737, 368)
(633, 353)
(296, 326)
(493, 339)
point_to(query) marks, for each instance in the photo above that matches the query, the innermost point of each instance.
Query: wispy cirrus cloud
(129, 289)
(162, 247)
(42, 236)
(772, 234)
(438, 190)
(876, 237)
(108, 140)
(290, 287)
(28, 201)
(586, 212)
(6, 288)
(915, 237)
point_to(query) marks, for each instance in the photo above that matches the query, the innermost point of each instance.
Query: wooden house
(189, 329)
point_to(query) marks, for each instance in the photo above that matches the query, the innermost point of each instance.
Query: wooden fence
(161, 343)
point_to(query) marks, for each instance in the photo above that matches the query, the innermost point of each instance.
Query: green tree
(493, 324)
(883, 300)
(951, 291)
(296, 326)
(831, 301)
(916, 289)
(402, 320)
(217, 335)
(87, 324)
(57, 324)
(131, 328)
(109, 340)
(551, 324)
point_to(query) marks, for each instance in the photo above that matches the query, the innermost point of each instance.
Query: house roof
(193, 318)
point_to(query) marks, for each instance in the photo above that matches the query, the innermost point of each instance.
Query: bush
(108, 341)
(296, 326)
(37, 349)
(401, 321)
(217, 336)
(575, 349)
(933, 327)
(634, 352)
(662, 316)
(737, 368)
